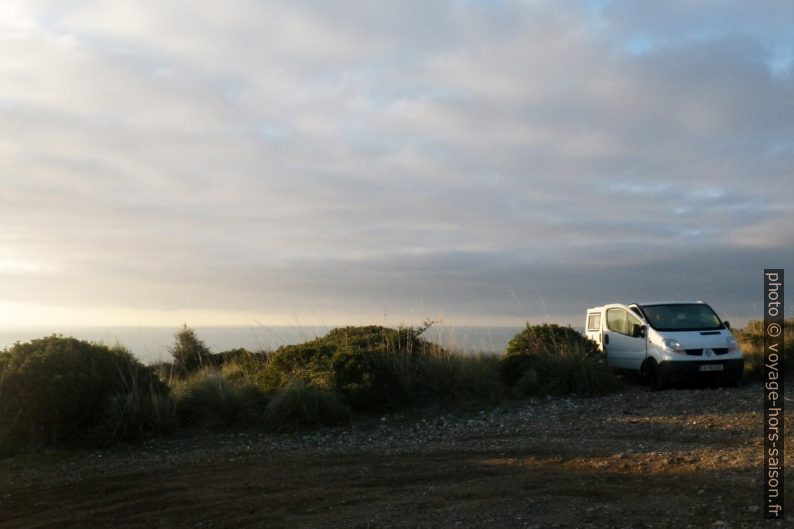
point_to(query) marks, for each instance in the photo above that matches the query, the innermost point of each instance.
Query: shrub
(565, 374)
(538, 341)
(189, 353)
(376, 368)
(58, 390)
(455, 376)
(249, 369)
(751, 342)
(239, 354)
(135, 415)
(309, 361)
(8, 416)
(209, 401)
(371, 367)
(373, 379)
(376, 337)
(301, 405)
(553, 360)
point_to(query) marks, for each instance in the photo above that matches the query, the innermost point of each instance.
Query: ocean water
(150, 344)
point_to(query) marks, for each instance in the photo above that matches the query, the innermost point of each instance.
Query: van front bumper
(683, 371)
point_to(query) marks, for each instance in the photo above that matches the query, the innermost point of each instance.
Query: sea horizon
(150, 344)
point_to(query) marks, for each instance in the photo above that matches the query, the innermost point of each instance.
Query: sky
(312, 162)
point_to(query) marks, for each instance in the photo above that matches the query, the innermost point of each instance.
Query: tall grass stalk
(456, 376)
(302, 405)
(209, 401)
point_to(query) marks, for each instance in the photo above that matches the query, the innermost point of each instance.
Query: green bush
(240, 354)
(374, 368)
(189, 353)
(308, 361)
(209, 401)
(377, 368)
(539, 341)
(249, 369)
(553, 360)
(60, 391)
(371, 367)
(374, 379)
(376, 337)
(301, 405)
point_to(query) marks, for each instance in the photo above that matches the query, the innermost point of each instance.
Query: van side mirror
(638, 331)
(727, 324)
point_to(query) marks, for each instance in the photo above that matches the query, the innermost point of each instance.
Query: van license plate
(711, 367)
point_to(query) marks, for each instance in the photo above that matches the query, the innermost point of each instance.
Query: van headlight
(673, 346)
(733, 345)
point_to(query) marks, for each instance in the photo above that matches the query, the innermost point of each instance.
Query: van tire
(656, 381)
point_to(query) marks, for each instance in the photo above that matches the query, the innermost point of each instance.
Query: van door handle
(606, 339)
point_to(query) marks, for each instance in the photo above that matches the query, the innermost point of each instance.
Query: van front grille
(699, 352)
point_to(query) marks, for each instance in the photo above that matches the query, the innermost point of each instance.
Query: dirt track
(679, 458)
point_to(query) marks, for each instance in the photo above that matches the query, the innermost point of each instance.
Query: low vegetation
(58, 391)
(63, 391)
(189, 353)
(377, 369)
(751, 342)
(303, 405)
(210, 401)
(551, 359)
(566, 374)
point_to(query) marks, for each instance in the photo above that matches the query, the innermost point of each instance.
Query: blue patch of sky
(485, 3)
(780, 60)
(711, 193)
(435, 149)
(231, 87)
(641, 44)
(595, 9)
(599, 4)
(691, 232)
(273, 132)
(377, 83)
(640, 188)
(779, 149)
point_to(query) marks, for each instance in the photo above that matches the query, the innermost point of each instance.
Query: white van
(666, 342)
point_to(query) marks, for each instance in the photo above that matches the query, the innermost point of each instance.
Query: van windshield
(682, 317)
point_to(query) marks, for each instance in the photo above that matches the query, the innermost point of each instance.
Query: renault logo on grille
(708, 352)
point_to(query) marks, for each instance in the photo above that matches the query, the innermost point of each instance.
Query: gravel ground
(638, 459)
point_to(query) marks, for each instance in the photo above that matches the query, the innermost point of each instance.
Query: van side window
(633, 320)
(621, 321)
(594, 322)
(616, 320)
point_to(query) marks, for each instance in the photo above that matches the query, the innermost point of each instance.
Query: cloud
(297, 156)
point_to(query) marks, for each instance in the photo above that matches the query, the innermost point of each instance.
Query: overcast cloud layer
(479, 161)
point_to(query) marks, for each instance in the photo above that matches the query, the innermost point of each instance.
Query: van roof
(645, 303)
(678, 302)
